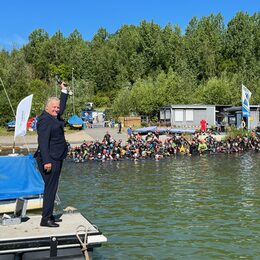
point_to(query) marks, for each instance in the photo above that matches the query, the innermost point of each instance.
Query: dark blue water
(177, 208)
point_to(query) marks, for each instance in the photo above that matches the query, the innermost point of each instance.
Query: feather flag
(22, 114)
(246, 94)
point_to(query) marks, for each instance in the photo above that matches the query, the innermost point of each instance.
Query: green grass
(5, 132)
(69, 130)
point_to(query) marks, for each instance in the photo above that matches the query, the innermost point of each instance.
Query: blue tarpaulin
(19, 177)
(146, 129)
(162, 130)
(181, 131)
(75, 120)
(11, 124)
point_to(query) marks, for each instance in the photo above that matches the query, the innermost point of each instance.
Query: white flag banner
(22, 114)
(246, 95)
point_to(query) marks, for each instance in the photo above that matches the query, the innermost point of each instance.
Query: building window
(168, 114)
(165, 114)
(162, 117)
(189, 114)
(178, 115)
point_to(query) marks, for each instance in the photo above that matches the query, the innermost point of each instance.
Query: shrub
(233, 132)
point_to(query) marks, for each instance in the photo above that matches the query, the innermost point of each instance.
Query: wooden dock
(29, 240)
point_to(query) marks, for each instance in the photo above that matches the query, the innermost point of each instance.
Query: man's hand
(47, 167)
(63, 86)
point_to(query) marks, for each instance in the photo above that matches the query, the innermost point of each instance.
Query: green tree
(239, 47)
(123, 104)
(34, 52)
(151, 45)
(218, 92)
(41, 91)
(173, 47)
(204, 40)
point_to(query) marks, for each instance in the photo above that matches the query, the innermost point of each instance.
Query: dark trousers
(51, 182)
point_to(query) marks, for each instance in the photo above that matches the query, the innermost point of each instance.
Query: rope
(7, 96)
(84, 244)
(10, 106)
(2, 83)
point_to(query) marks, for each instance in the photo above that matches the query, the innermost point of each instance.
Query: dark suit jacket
(52, 145)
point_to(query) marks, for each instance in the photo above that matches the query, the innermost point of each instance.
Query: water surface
(177, 208)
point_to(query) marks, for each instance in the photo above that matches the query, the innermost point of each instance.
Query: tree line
(139, 68)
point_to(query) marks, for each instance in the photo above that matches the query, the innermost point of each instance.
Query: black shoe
(56, 219)
(49, 223)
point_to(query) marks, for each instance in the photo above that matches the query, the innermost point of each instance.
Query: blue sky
(19, 18)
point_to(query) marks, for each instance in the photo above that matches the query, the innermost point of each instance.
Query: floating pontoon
(21, 236)
(29, 240)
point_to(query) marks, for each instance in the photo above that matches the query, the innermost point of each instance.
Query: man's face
(53, 108)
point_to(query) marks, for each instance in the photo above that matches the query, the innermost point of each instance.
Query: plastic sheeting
(75, 120)
(180, 131)
(146, 129)
(11, 124)
(19, 177)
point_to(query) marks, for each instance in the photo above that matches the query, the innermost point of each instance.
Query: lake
(176, 208)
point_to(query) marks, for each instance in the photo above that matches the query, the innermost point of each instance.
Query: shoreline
(75, 139)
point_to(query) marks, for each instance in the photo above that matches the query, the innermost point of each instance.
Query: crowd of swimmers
(140, 147)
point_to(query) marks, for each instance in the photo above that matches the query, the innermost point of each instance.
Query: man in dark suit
(52, 150)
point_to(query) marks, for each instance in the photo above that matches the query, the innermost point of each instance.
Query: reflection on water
(178, 208)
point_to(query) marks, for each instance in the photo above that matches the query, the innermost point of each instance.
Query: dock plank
(31, 228)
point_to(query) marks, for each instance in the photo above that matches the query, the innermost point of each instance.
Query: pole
(73, 96)
(56, 88)
(7, 96)
(11, 108)
(248, 123)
